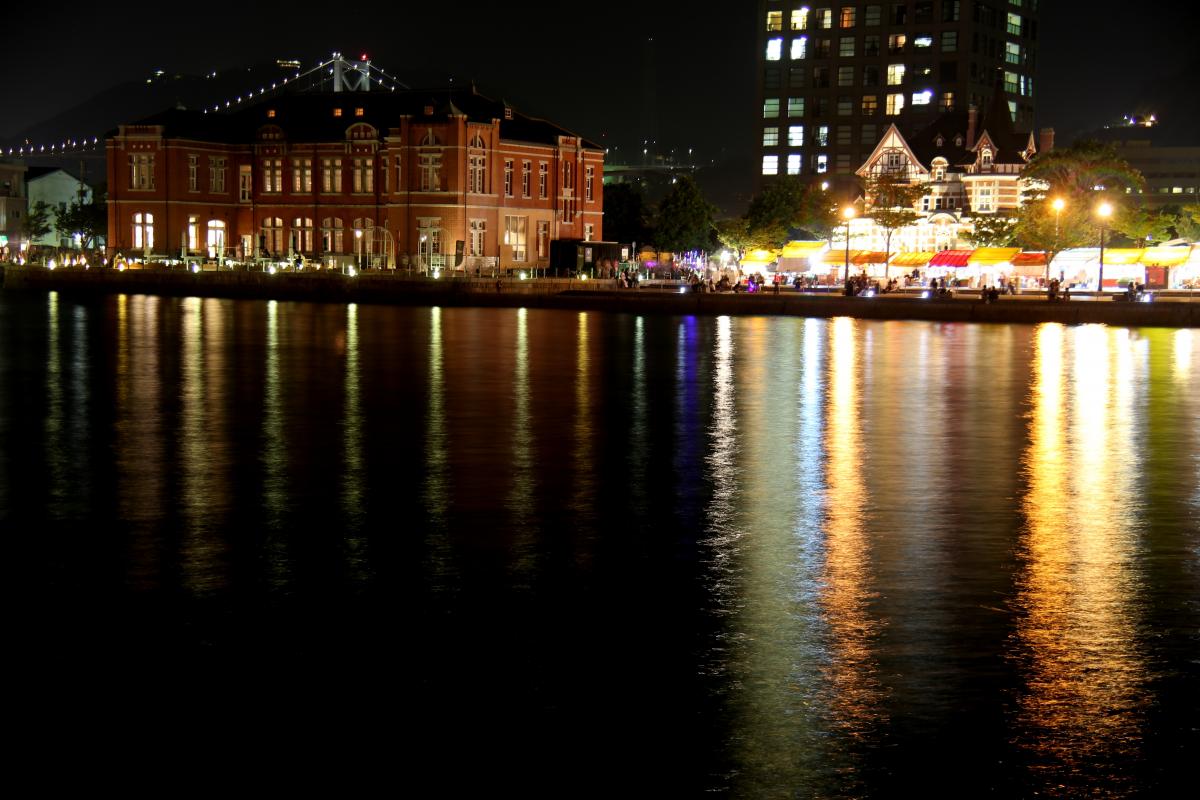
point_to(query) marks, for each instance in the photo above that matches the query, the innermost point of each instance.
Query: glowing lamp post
(1058, 205)
(358, 247)
(848, 213)
(1103, 211)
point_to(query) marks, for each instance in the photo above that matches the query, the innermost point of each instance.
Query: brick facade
(299, 174)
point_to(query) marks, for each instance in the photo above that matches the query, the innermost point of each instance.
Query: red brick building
(415, 172)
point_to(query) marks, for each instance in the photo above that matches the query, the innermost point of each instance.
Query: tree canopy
(992, 231)
(890, 201)
(626, 215)
(37, 221)
(684, 219)
(1074, 172)
(88, 220)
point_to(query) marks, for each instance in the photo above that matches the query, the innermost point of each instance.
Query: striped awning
(1164, 256)
(918, 258)
(986, 256)
(1122, 255)
(802, 249)
(950, 258)
(1028, 260)
(869, 257)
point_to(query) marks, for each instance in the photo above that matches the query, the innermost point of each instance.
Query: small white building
(58, 189)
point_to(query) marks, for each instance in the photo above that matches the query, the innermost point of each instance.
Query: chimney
(1046, 140)
(972, 119)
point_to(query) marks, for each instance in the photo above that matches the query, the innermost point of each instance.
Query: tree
(992, 231)
(37, 221)
(88, 220)
(625, 213)
(1041, 227)
(1142, 227)
(735, 234)
(684, 220)
(787, 205)
(1074, 172)
(1187, 223)
(890, 201)
(775, 211)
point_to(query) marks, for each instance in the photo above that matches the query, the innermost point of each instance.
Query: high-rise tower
(833, 77)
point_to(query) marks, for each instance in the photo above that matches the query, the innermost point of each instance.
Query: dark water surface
(542, 552)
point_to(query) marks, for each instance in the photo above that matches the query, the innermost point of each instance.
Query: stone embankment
(599, 295)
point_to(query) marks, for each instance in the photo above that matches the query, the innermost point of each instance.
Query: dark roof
(37, 172)
(996, 122)
(308, 117)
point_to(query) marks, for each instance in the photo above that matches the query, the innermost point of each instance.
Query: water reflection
(274, 455)
(583, 488)
(521, 498)
(353, 497)
(1081, 713)
(854, 691)
(201, 445)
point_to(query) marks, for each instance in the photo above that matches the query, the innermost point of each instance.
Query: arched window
(331, 235)
(302, 234)
(270, 241)
(362, 226)
(143, 231)
(985, 157)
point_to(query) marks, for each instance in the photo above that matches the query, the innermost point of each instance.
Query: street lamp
(1103, 211)
(848, 213)
(358, 248)
(1058, 207)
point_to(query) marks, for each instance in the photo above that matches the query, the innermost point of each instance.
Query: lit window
(774, 20)
(337, 112)
(331, 175)
(870, 105)
(770, 165)
(822, 163)
(823, 135)
(795, 107)
(358, 112)
(271, 113)
(846, 47)
(508, 177)
(514, 236)
(895, 74)
(272, 172)
(947, 102)
(774, 48)
(793, 164)
(478, 230)
(770, 107)
(302, 175)
(799, 47)
(770, 137)
(825, 18)
(922, 98)
(527, 178)
(141, 172)
(143, 231)
(800, 19)
(193, 233)
(896, 43)
(1012, 53)
(1014, 24)
(796, 136)
(895, 104)
(1010, 82)
(846, 20)
(923, 42)
(364, 175)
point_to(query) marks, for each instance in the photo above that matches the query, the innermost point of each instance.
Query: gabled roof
(888, 142)
(308, 117)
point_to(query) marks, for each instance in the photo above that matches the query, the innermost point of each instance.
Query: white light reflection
(1080, 713)
(274, 455)
(354, 497)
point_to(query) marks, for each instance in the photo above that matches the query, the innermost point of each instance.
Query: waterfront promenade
(1167, 309)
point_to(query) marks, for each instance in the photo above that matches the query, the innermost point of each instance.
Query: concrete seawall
(592, 295)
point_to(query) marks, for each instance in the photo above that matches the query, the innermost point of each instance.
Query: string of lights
(67, 146)
(323, 71)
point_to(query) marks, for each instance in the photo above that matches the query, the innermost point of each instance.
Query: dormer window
(337, 112)
(429, 111)
(358, 112)
(985, 157)
(271, 113)
(939, 170)
(939, 141)
(507, 112)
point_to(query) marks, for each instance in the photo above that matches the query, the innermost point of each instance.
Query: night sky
(584, 69)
